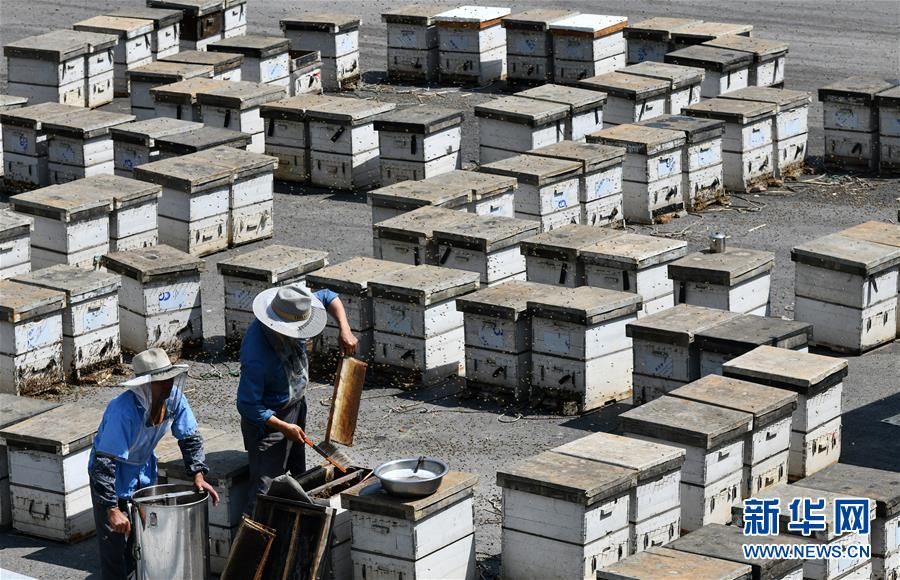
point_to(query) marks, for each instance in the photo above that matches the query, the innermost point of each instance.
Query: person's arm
(103, 484)
(190, 441)
(335, 308)
(112, 442)
(250, 391)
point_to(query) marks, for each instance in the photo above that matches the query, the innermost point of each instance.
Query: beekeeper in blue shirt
(123, 461)
(274, 373)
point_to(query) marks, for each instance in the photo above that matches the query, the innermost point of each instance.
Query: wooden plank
(62, 430)
(348, 385)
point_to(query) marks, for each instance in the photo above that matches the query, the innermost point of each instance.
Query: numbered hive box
(226, 65)
(738, 280)
(652, 172)
(418, 331)
(133, 219)
(193, 207)
(548, 188)
(818, 382)
(49, 68)
(472, 45)
(576, 332)
(203, 21)
(684, 82)
(585, 107)
(306, 72)
(430, 537)
(336, 36)
(654, 514)
(665, 353)
(513, 125)
(492, 195)
(408, 238)
(769, 57)
(80, 144)
(713, 439)
(133, 48)
(665, 562)
(629, 98)
(235, 106)
(399, 198)
(31, 326)
(845, 287)
(888, 106)
(850, 119)
(70, 226)
(587, 45)
(287, 136)
(159, 301)
(554, 257)
(418, 142)
(723, 342)
(25, 142)
(266, 59)
(166, 27)
(99, 73)
(159, 73)
(485, 244)
(651, 39)
(412, 41)
(15, 243)
(634, 263)
(9, 103)
(529, 45)
(700, 32)
(179, 100)
(726, 69)
(879, 233)
(202, 138)
(235, 22)
(747, 147)
(90, 320)
(135, 143)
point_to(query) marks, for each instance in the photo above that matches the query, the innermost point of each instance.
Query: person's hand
(202, 485)
(293, 433)
(348, 342)
(118, 522)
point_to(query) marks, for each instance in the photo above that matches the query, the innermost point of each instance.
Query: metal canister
(717, 243)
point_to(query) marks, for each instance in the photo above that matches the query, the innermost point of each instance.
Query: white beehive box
(888, 106)
(587, 45)
(408, 238)
(652, 172)
(492, 195)
(700, 32)
(585, 107)
(99, 74)
(158, 73)
(306, 73)
(529, 45)
(573, 508)
(740, 335)
(418, 331)
(235, 21)
(509, 126)
(336, 36)
(851, 121)
(266, 59)
(159, 301)
(399, 198)
(769, 57)
(287, 134)
(581, 357)
(9, 103)
(15, 243)
(472, 45)
(667, 563)
(164, 40)
(70, 227)
(684, 82)
(554, 257)
(133, 220)
(80, 144)
(713, 438)
(135, 143)
(202, 138)
(629, 98)
(25, 142)
(49, 68)
(634, 263)
(235, 106)
(818, 381)
(203, 21)
(879, 233)
(747, 150)
(179, 100)
(665, 353)
(412, 42)
(737, 279)
(651, 39)
(133, 48)
(418, 142)
(226, 65)
(726, 69)
(90, 320)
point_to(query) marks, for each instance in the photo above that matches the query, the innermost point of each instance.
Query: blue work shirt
(264, 384)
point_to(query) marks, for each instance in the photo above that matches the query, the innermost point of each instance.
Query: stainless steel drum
(171, 537)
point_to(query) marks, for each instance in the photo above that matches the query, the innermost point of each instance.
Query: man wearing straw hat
(123, 461)
(274, 373)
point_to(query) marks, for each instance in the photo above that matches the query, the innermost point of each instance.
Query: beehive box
(235, 105)
(667, 563)
(554, 257)
(15, 243)
(652, 172)
(713, 439)
(306, 72)
(412, 42)
(509, 126)
(492, 195)
(248, 274)
(529, 45)
(203, 21)
(585, 107)
(665, 353)
(179, 100)
(587, 45)
(336, 37)
(684, 82)
(850, 119)
(769, 57)
(740, 335)
(747, 151)
(235, 21)
(226, 65)
(159, 73)
(818, 382)
(634, 263)
(266, 59)
(25, 142)
(726, 69)
(159, 301)
(845, 287)
(399, 198)
(166, 33)
(573, 509)
(133, 48)
(651, 39)
(576, 332)
(408, 238)
(135, 143)
(737, 279)
(888, 105)
(80, 144)
(879, 233)
(654, 514)
(9, 103)
(287, 135)
(133, 219)
(418, 142)
(202, 138)
(700, 32)
(629, 98)
(472, 45)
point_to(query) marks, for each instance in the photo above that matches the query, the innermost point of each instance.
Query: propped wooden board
(348, 384)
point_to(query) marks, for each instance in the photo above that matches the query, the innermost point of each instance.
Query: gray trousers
(116, 550)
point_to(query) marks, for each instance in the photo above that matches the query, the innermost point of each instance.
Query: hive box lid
(593, 156)
(8, 102)
(535, 19)
(348, 110)
(274, 264)
(888, 98)
(73, 281)
(784, 99)
(626, 86)
(538, 171)
(875, 232)
(761, 48)
(66, 202)
(859, 88)
(241, 163)
(123, 27)
(585, 305)
(220, 61)
(144, 264)
(710, 58)
(240, 95)
(185, 92)
(34, 116)
(567, 478)
(419, 224)
(481, 185)
(695, 129)
(639, 139)
(678, 76)
(352, 276)
(194, 7)
(414, 194)
(731, 110)
(844, 479)
(185, 173)
(659, 29)
(727, 268)
(649, 459)
(578, 100)
(847, 254)
(332, 22)
(202, 138)
(255, 45)
(801, 372)
(20, 302)
(122, 191)
(703, 31)
(766, 404)
(146, 132)
(225, 457)
(14, 225)
(161, 17)
(370, 497)
(633, 251)
(677, 325)
(420, 14)
(424, 284)
(85, 124)
(566, 242)
(687, 422)
(486, 233)
(15, 409)
(746, 332)
(589, 24)
(483, 16)
(422, 120)
(674, 565)
(58, 45)
(507, 301)
(521, 110)
(292, 108)
(165, 72)
(62, 430)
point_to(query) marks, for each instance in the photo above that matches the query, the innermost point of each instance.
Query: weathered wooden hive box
(336, 37)
(472, 45)
(250, 273)
(651, 39)
(90, 320)
(99, 73)
(133, 48)
(587, 45)
(266, 59)
(412, 42)
(581, 357)
(818, 382)
(48, 476)
(700, 32)
(306, 72)
(203, 21)
(408, 238)
(634, 263)
(80, 144)
(738, 279)
(629, 98)
(202, 138)
(235, 21)
(25, 142)
(159, 301)
(548, 188)
(70, 226)
(684, 82)
(554, 257)
(344, 151)
(846, 287)
(887, 104)
(235, 106)
(164, 40)
(652, 172)
(585, 107)
(350, 280)
(723, 342)
(747, 150)
(726, 69)
(879, 233)
(529, 45)
(287, 134)
(850, 119)
(418, 142)
(769, 57)
(509, 126)
(654, 505)
(133, 219)
(31, 326)
(573, 508)
(667, 563)
(418, 331)
(136, 143)
(159, 73)
(15, 243)
(430, 537)
(179, 100)
(713, 439)
(8, 103)
(226, 65)
(665, 353)
(492, 195)
(399, 198)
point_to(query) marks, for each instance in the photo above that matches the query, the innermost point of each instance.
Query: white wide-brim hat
(153, 365)
(290, 310)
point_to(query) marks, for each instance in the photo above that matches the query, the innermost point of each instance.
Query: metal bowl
(397, 476)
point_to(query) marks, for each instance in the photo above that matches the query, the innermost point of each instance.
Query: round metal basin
(397, 477)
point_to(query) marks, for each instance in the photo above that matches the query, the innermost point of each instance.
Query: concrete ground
(828, 40)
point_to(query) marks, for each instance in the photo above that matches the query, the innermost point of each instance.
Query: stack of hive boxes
(879, 233)
(888, 105)
(726, 70)
(399, 198)
(472, 44)
(136, 143)
(203, 21)
(684, 82)
(769, 56)
(512, 125)
(408, 238)
(25, 142)
(235, 20)
(133, 216)
(15, 243)
(585, 107)
(166, 27)
(336, 37)
(80, 144)
(587, 45)
(492, 195)
(235, 105)
(529, 45)
(179, 100)
(306, 73)
(265, 58)
(418, 143)
(651, 39)
(412, 42)
(133, 49)
(8, 103)
(287, 135)
(143, 78)
(850, 121)
(629, 98)
(226, 66)
(554, 257)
